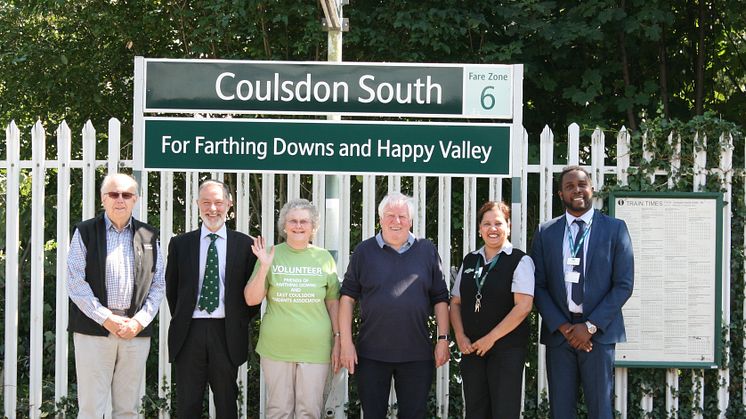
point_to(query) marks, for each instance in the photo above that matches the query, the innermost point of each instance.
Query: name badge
(572, 277)
(573, 261)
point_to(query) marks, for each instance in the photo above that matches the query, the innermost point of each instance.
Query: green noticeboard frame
(674, 317)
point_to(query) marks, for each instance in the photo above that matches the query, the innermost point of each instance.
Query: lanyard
(575, 249)
(479, 278)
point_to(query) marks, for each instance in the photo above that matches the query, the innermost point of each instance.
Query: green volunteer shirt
(296, 325)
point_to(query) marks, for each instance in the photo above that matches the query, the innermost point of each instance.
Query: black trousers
(412, 381)
(492, 384)
(204, 359)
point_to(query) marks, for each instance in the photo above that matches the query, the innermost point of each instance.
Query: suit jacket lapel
(193, 253)
(229, 258)
(597, 232)
(557, 237)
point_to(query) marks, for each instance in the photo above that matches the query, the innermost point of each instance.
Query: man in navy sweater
(398, 281)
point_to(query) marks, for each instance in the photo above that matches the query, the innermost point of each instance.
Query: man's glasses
(124, 195)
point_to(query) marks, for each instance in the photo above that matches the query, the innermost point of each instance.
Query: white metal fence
(16, 175)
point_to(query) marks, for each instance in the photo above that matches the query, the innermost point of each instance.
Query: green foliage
(73, 60)
(718, 132)
(152, 404)
(584, 62)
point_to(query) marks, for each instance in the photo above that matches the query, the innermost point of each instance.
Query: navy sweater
(396, 293)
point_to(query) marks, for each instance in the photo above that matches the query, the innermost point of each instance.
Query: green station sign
(302, 146)
(313, 88)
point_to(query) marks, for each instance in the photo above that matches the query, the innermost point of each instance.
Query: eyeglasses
(303, 222)
(209, 204)
(124, 195)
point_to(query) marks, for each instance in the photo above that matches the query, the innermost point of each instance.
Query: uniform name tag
(572, 277)
(573, 261)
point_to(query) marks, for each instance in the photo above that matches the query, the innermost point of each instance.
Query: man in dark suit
(208, 338)
(584, 275)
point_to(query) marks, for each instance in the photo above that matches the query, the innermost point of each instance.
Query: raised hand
(260, 251)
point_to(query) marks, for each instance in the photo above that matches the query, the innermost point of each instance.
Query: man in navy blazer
(584, 275)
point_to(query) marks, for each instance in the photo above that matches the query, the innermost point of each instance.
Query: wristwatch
(592, 329)
(443, 337)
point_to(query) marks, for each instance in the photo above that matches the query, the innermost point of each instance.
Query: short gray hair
(395, 199)
(118, 176)
(298, 204)
(226, 189)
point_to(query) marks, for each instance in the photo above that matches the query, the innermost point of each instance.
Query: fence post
(726, 180)
(112, 160)
(38, 183)
(64, 137)
(13, 146)
(444, 249)
(699, 182)
(164, 315)
(546, 191)
(622, 169)
(89, 170)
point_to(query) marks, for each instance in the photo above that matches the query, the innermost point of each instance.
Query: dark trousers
(492, 384)
(568, 368)
(204, 359)
(412, 381)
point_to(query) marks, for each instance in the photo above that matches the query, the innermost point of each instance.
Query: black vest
(497, 299)
(93, 235)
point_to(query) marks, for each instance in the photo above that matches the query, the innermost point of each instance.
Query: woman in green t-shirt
(299, 335)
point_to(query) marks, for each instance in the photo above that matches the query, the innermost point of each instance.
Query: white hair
(298, 204)
(108, 179)
(396, 199)
(226, 190)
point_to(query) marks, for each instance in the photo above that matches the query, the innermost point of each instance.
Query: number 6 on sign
(488, 100)
(488, 91)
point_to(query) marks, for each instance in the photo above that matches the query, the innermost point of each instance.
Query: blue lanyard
(575, 249)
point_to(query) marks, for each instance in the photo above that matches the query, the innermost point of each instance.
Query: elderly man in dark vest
(116, 285)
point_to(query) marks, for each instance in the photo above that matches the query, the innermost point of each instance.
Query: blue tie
(577, 288)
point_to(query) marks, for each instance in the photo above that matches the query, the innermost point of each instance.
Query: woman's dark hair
(489, 206)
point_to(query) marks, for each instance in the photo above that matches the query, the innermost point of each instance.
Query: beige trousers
(295, 390)
(109, 365)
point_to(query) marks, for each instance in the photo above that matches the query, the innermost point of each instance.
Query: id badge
(573, 261)
(572, 277)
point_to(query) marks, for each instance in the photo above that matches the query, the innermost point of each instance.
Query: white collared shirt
(573, 231)
(204, 244)
(523, 275)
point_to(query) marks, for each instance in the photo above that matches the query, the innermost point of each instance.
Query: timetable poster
(673, 318)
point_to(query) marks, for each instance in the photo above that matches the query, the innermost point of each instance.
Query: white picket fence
(68, 171)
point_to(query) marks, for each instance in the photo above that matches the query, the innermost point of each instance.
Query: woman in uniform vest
(491, 298)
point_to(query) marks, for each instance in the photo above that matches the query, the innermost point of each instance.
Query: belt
(118, 312)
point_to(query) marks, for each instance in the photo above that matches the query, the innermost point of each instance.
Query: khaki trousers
(109, 365)
(295, 390)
